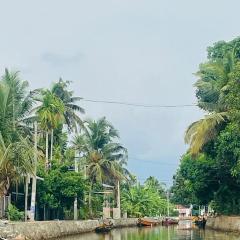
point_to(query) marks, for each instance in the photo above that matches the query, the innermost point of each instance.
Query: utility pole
(27, 179)
(75, 200)
(118, 199)
(34, 177)
(118, 195)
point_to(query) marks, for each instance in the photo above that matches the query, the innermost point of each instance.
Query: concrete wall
(56, 229)
(224, 223)
(123, 222)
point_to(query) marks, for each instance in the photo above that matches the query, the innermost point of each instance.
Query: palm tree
(100, 150)
(16, 104)
(71, 117)
(15, 163)
(142, 201)
(212, 87)
(203, 131)
(105, 159)
(50, 115)
(213, 81)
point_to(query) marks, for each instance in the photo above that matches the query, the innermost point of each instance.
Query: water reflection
(156, 233)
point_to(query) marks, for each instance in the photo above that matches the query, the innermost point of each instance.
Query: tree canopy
(209, 171)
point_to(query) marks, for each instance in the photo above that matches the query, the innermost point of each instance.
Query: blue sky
(141, 51)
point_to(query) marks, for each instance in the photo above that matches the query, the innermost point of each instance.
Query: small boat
(105, 227)
(169, 221)
(147, 222)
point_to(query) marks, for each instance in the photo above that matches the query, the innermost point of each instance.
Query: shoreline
(224, 223)
(56, 229)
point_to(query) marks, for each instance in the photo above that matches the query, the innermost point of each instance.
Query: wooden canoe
(105, 227)
(147, 222)
(169, 221)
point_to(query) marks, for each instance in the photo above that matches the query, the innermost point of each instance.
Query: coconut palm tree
(50, 115)
(212, 87)
(15, 163)
(71, 108)
(105, 158)
(15, 107)
(201, 132)
(16, 104)
(100, 149)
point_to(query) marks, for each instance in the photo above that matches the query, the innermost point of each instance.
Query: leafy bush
(14, 214)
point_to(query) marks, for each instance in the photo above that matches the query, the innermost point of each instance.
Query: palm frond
(201, 132)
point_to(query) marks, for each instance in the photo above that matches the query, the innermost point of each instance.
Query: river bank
(56, 229)
(224, 223)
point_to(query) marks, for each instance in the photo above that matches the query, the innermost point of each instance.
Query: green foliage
(15, 144)
(209, 172)
(50, 112)
(60, 187)
(145, 200)
(14, 214)
(193, 180)
(71, 108)
(104, 156)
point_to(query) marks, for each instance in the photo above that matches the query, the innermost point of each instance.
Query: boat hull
(169, 222)
(147, 222)
(103, 229)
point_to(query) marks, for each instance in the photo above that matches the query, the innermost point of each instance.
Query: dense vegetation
(149, 199)
(65, 142)
(209, 172)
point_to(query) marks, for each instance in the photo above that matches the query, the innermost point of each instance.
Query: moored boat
(105, 227)
(147, 222)
(169, 221)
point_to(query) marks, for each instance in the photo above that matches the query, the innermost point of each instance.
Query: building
(184, 211)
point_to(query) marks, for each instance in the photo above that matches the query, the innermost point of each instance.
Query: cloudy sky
(139, 51)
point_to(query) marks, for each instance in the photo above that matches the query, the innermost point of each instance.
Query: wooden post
(75, 205)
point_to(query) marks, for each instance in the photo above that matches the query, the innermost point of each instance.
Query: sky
(138, 51)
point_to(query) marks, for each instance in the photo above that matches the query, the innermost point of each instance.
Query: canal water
(158, 233)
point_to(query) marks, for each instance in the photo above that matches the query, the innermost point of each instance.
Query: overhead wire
(138, 104)
(144, 106)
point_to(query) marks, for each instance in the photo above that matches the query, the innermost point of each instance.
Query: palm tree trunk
(51, 149)
(34, 179)
(90, 201)
(47, 163)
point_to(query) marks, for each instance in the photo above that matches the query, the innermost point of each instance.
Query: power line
(138, 104)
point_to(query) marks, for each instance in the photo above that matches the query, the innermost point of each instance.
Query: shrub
(14, 214)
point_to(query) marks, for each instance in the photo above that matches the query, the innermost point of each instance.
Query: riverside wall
(224, 223)
(55, 229)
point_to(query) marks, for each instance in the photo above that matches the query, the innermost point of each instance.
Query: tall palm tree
(16, 104)
(105, 158)
(15, 107)
(72, 109)
(212, 87)
(50, 115)
(101, 150)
